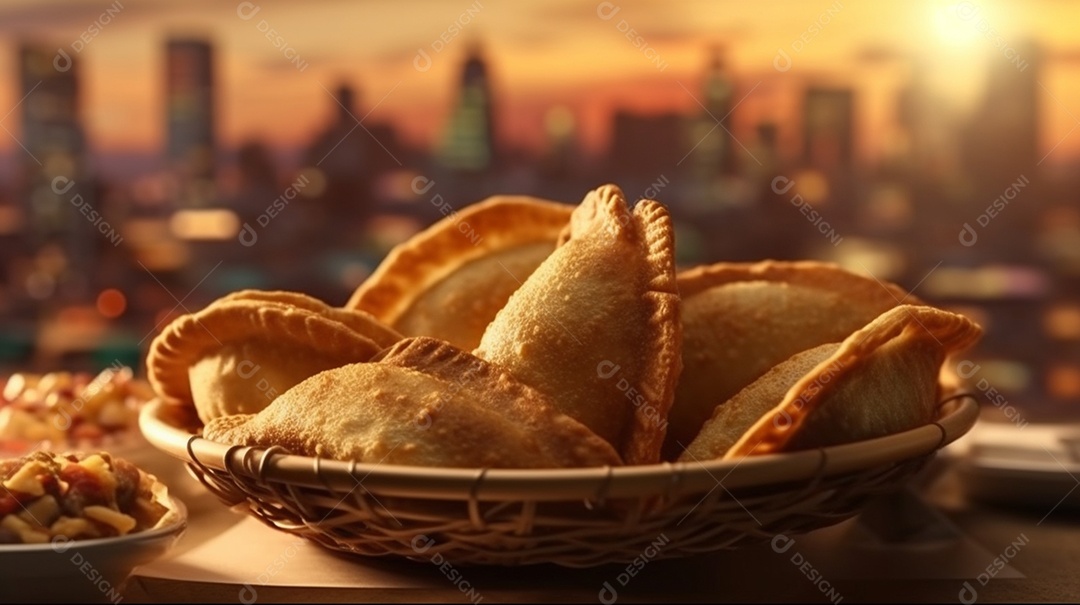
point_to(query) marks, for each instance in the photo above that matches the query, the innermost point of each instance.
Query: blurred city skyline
(160, 156)
(278, 63)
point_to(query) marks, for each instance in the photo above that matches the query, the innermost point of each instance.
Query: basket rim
(955, 417)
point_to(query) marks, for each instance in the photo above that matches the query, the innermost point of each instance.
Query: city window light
(869, 257)
(1062, 322)
(1006, 375)
(1063, 381)
(989, 282)
(215, 224)
(11, 219)
(111, 303)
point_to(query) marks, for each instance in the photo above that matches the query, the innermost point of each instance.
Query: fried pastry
(734, 417)
(239, 353)
(741, 319)
(596, 326)
(450, 280)
(882, 379)
(426, 403)
(361, 322)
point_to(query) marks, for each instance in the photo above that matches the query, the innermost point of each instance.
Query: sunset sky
(542, 53)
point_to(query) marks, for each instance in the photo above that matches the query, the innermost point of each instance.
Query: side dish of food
(69, 410)
(46, 496)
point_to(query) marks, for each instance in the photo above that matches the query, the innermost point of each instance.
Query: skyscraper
(929, 126)
(341, 154)
(709, 132)
(51, 134)
(1002, 155)
(645, 146)
(54, 186)
(469, 143)
(1003, 135)
(561, 157)
(189, 115)
(828, 128)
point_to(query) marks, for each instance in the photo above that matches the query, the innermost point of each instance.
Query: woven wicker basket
(572, 517)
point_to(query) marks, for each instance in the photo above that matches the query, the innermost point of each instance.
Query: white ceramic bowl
(84, 570)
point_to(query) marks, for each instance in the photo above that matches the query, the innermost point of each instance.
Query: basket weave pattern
(611, 517)
(525, 532)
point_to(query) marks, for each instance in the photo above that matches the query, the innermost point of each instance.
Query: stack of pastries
(523, 333)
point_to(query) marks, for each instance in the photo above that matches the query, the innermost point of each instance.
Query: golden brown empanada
(451, 279)
(741, 319)
(882, 379)
(236, 355)
(733, 418)
(596, 327)
(361, 322)
(450, 410)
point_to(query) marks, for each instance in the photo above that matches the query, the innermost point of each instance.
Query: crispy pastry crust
(360, 321)
(604, 300)
(459, 308)
(258, 324)
(934, 330)
(741, 319)
(414, 266)
(816, 274)
(450, 410)
(563, 439)
(733, 418)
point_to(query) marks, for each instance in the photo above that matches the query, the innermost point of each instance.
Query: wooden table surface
(1039, 548)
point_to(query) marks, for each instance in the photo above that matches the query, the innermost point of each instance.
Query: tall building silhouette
(646, 146)
(54, 186)
(189, 116)
(1002, 156)
(714, 154)
(469, 143)
(1003, 133)
(561, 156)
(931, 133)
(340, 155)
(51, 133)
(257, 181)
(828, 128)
